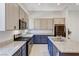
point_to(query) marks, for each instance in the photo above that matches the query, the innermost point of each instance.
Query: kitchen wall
(53, 14)
(43, 14)
(72, 23)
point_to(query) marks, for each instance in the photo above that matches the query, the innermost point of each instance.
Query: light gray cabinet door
(59, 20)
(11, 16)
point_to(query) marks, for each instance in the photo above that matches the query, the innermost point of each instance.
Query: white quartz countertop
(66, 46)
(27, 35)
(10, 48)
(42, 32)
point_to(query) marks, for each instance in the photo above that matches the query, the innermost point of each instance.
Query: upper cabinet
(22, 19)
(59, 20)
(21, 13)
(10, 16)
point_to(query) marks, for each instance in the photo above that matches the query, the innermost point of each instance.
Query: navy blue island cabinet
(40, 39)
(53, 51)
(50, 48)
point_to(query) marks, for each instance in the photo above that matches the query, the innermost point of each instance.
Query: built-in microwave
(22, 24)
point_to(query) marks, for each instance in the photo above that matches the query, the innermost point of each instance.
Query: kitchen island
(66, 47)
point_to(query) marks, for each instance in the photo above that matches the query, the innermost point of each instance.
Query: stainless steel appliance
(22, 24)
(59, 30)
(30, 46)
(28, 40)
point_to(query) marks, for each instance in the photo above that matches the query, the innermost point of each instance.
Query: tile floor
(39, 50)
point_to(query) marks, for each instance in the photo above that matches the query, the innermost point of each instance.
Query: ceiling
(48, 9)
(50, 6)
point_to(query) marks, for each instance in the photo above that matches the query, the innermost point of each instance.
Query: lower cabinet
(50, 47)
(17, 53)
(53, 51)
(62, 54)
(36, 39)
(40, 39)
(30, 44)
(21, 51)
(44, 39)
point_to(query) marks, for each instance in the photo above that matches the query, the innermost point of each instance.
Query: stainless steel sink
(58, 39)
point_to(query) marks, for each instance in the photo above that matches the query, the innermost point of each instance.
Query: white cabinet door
(8, 17)
(26, 19)
(16, 16)
(59, 21)
(21, 14)
(11, 16)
